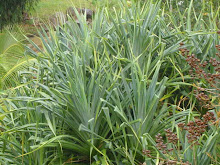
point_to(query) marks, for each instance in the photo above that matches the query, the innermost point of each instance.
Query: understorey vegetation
(139, 85)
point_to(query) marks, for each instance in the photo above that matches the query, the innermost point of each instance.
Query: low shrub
(102, 92)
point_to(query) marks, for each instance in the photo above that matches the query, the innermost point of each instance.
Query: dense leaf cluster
(11, 10)
(118, 90)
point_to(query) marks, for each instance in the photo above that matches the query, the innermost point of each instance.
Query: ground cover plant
(125, 89)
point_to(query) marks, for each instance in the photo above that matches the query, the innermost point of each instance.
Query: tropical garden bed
(139, 85)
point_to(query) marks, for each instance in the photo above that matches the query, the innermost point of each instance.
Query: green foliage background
(100, 93)
(11, 10)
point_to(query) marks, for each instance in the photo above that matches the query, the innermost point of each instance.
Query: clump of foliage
(189, 143)
(101, 92)
(11, 11)
(207, 70)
